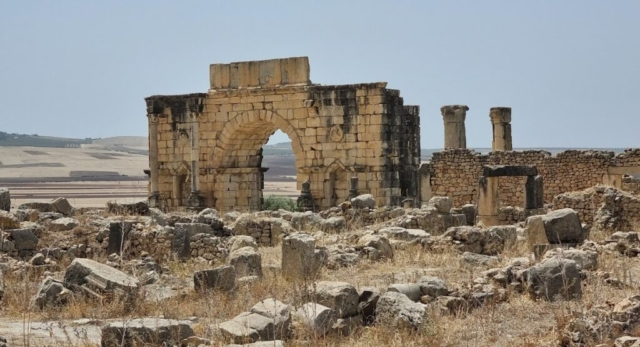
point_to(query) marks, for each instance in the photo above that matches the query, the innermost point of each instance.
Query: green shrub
(276, 202)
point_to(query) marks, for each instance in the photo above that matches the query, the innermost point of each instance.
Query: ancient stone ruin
(488, 196)
(205, 149)
(455, 171)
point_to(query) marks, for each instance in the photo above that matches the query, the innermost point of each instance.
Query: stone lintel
(260, 73)
(509, 170)
(500, 114)
(623, 170)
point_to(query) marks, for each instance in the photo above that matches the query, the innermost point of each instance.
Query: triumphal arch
(205, 149)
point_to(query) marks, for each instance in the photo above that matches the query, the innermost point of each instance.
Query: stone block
(363, 201)
(398, 310)
(263, 73)
(63, 224)
(5, 199)
(563, 226)
(411, 290)
(317, 317)
(118, 233)
(23, 239)
(145, 331)
(240, 241)
(246, 262)
(62, 205)
(443, 204)
(554, 279)
(103, 277)
(298, 254)
(278, 311)
(534, 193)
(377, 242)
(222, 278)
(535, 232)
(341, 297)
(432, 286)
(509, 170)
(8, 221)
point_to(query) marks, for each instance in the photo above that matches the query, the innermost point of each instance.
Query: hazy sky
(569, 69)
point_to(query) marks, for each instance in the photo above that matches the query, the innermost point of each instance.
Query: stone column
(534, 193)
(455, 135)
(534, 196)
(353, 187)
(501, 122)
(424, 177)
(488, 202)
(154, 194)
(195, 199)
(305, 200)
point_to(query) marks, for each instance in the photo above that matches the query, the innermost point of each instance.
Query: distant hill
(35, 140)
(126, 141)
(283, 148)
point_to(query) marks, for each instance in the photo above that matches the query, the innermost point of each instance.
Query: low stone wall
(455, 172)
(510, 215)
(631, 185)
(265, 230)
(160, 242)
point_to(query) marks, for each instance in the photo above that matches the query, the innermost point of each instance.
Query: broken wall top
(263, 73)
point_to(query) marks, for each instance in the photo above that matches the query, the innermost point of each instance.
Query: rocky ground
(355, 275)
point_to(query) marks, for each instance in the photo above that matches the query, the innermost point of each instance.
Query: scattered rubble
(126, 259)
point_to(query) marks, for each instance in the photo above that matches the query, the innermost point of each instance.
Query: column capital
(454, 113)
(153, 118)
(500, 115)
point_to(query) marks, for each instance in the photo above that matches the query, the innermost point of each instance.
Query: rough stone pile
(95, 255)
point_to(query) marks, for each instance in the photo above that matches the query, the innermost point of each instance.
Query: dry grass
(520, 321)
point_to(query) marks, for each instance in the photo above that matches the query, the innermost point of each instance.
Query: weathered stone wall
(604, 208)
(337, 132)
(630, 184)
(455, 173)
(158, 243)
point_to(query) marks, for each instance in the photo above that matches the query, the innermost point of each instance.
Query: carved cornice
(178, 104)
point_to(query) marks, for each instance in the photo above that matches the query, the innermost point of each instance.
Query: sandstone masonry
(455, 172)
(206, 148)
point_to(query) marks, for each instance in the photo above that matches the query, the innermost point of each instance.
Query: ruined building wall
(337, 132)
(455, 173)
(603, 208)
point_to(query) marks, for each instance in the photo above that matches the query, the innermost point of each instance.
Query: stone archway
(239, 178)
(220, 134)
(242, 138)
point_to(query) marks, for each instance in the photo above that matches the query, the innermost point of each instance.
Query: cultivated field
(110, 170)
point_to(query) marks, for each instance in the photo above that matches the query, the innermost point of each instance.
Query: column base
(305, 202)
(155, 201)
(195, 200)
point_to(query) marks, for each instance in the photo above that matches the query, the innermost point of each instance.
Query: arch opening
(249, 170)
